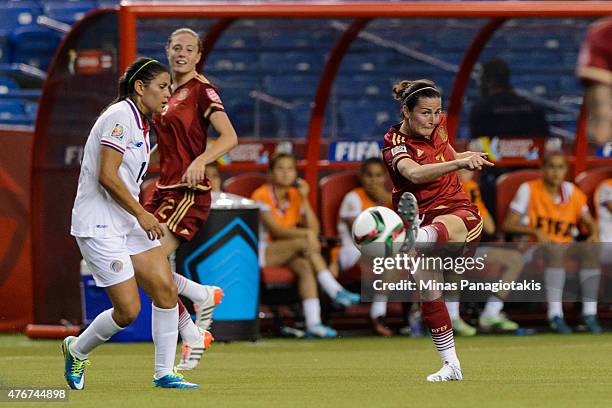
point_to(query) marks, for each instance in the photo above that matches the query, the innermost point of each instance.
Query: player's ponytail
(409, 92)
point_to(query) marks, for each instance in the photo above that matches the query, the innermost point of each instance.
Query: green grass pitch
(500, 371)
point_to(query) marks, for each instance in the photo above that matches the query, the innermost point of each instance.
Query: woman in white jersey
(116, 236)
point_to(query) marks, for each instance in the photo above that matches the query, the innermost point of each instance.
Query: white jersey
(95, 212)
(350, 208)
(605, 216)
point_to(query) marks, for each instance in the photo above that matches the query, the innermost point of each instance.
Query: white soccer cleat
(204, 310)
(192, 353)
(448, 372)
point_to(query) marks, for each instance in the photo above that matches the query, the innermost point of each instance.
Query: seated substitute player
(423, 167)
(372, 192)
(549, 210)
(181, 201)
(491, 318)
(116, 235)
(293, 241)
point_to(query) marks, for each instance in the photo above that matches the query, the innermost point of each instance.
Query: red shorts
(468, 214)
(184, 211)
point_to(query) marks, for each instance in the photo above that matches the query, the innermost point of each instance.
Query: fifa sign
(353, 151)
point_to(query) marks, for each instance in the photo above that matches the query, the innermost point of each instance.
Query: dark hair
(553, 153)
(276, 157)
(370, 162)
(495, 72)
(184, 30)
(143, 69)
(409, 92)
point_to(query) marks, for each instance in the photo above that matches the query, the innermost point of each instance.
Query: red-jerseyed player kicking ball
(423, 166)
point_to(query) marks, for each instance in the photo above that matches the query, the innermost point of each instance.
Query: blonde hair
(184, 30)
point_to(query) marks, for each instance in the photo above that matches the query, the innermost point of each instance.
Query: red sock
(441, 232)
(438, 321)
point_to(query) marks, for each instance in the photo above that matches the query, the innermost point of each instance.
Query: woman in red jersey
(423, 166)
(182, 199)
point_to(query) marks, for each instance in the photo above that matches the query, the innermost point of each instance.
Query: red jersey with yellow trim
(444, 192)
(595, 58)
(182, 129)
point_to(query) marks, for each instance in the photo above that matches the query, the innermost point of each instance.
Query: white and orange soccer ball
(378, 232)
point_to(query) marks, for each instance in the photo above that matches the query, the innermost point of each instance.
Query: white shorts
(109, 260)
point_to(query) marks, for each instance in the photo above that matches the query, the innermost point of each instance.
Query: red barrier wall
(16, 305)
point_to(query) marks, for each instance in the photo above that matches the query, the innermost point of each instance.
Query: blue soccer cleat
(174, 380)
(591, 323)
(74, 369)
(321, 331)
(559, 325)
(346, 298)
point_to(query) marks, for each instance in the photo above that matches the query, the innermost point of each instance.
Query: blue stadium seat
(301, 61)
(7, 85)
(12, 112)
(233, 61)
(291, 86)
(237, 40)
(68, 12)
(5, 50)
(34, 45)
(14, 14)
(359, 86)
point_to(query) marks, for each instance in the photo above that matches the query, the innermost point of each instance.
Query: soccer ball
(376, 230)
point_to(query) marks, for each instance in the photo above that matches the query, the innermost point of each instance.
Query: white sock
(329, 284)
(426, 234)
(445, 344)
(187, 328)
(312, 312)
(188, 288)
(452, 304)
(450, 355)
(453, 310)
(99, 331)
(555, 280)
(164, 324)
(589, 285)
(379, 306)
(493, 307)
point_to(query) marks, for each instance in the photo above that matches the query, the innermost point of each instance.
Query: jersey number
(142, 173)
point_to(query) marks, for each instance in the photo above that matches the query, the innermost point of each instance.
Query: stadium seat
(7, 85)
(34, 45)
(332, 190)
(507, 185)
(16, 14)
(244, 184)
(588, 181)
(68, 12)
(5, 50)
